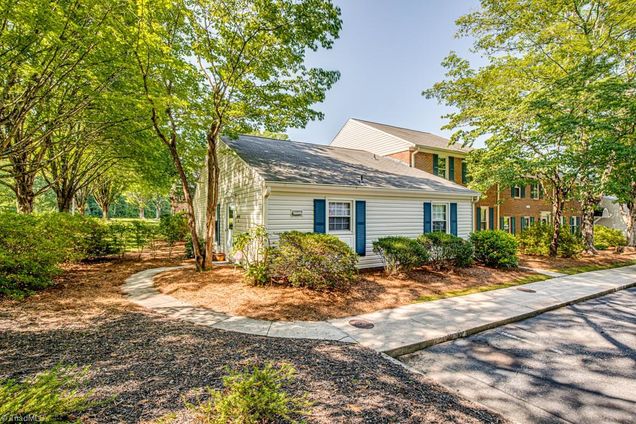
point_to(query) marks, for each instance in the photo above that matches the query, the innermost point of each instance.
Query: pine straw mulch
(604, 258)
(144, 365)
(223, 290)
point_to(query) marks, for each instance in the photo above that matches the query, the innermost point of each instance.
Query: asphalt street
(576, 364)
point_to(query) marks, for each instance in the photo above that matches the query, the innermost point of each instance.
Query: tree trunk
(199, 257)
(104, 208)
(631, 223)
(587, 224)
(158, 211)
(142, 212)
(557, 213)
(212, 194)
(25, 197)
(64, 201)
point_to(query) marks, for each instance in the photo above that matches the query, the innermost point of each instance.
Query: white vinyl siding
(357, 135)
(385, 216)
(240, 186)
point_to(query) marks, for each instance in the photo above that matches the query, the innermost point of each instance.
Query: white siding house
(353, 194)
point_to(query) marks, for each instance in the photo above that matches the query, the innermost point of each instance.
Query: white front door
(229, 228)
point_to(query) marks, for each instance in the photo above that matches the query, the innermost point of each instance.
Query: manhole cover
(361, 323)
(526, 290)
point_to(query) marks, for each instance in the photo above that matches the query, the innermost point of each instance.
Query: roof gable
(416, 138)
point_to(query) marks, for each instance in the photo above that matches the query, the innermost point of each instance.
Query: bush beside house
(495, 248)
(535, 240)
(400, 254)
(447, 250)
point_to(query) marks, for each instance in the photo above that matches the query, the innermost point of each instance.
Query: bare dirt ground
(223, 290)
(142, 365)
(604, 258)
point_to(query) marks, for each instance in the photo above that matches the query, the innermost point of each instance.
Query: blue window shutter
(523, 191)
(513, 227)
(523, 223)
(572, 224)
(451, 168)
(501, 223)
(319, 216)
(464, 173)
(453, 218)
(435, 164)
(361, 227)
(531, 220)
(512, 192)
(427, 217)
(217, 224)
(491, 218)
(477, 218)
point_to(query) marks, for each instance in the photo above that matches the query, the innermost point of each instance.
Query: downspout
(412, 157)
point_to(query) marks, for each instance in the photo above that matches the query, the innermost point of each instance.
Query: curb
(414, 347)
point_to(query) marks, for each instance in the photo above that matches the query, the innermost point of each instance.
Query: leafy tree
(107, 188)
(251, 55)
(542, 100)
(55, 57)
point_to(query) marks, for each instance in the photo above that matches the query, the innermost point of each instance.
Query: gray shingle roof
(417, 138)
(305, 163)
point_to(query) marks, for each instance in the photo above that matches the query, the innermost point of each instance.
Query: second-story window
(516, 192)
(441, 167)
(534, 191)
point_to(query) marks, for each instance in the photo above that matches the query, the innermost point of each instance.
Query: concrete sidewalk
(406, 329)
(410, 328)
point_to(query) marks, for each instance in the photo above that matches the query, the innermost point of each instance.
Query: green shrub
(173, 228)
(252, 250)
(140, 234)
(536, 239)
(52, 396)
(608, 237)
(447, 250)
(495, 248)
(400, 254)
(316, 261)
(253, 396)
(570, 245)
(29, 254)
(601, 246)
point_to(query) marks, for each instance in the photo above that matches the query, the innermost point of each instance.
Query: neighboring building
(356, 195)
(612, 214)
(510, 209)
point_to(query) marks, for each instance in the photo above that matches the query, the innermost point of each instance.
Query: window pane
(339, 209)
(439, 226)
(339, 223)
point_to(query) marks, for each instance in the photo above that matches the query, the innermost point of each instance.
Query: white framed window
(516, 192)
(441, 167)
(575, 224)
(339, 216)
(545, 217)
(483, 218)
(506, 224)
(534, 191)
(439, 217)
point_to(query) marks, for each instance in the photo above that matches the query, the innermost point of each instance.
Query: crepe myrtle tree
(251, 55)
(538, 101)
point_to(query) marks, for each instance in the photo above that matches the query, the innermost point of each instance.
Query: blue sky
(387, 53)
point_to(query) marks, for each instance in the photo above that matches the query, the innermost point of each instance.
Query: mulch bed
(147, 364)
(223, 290)
(604, 257)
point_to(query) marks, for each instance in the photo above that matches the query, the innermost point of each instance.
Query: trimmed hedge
(400, 254)
(495, 248)
(447, 250)
(312, 260)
